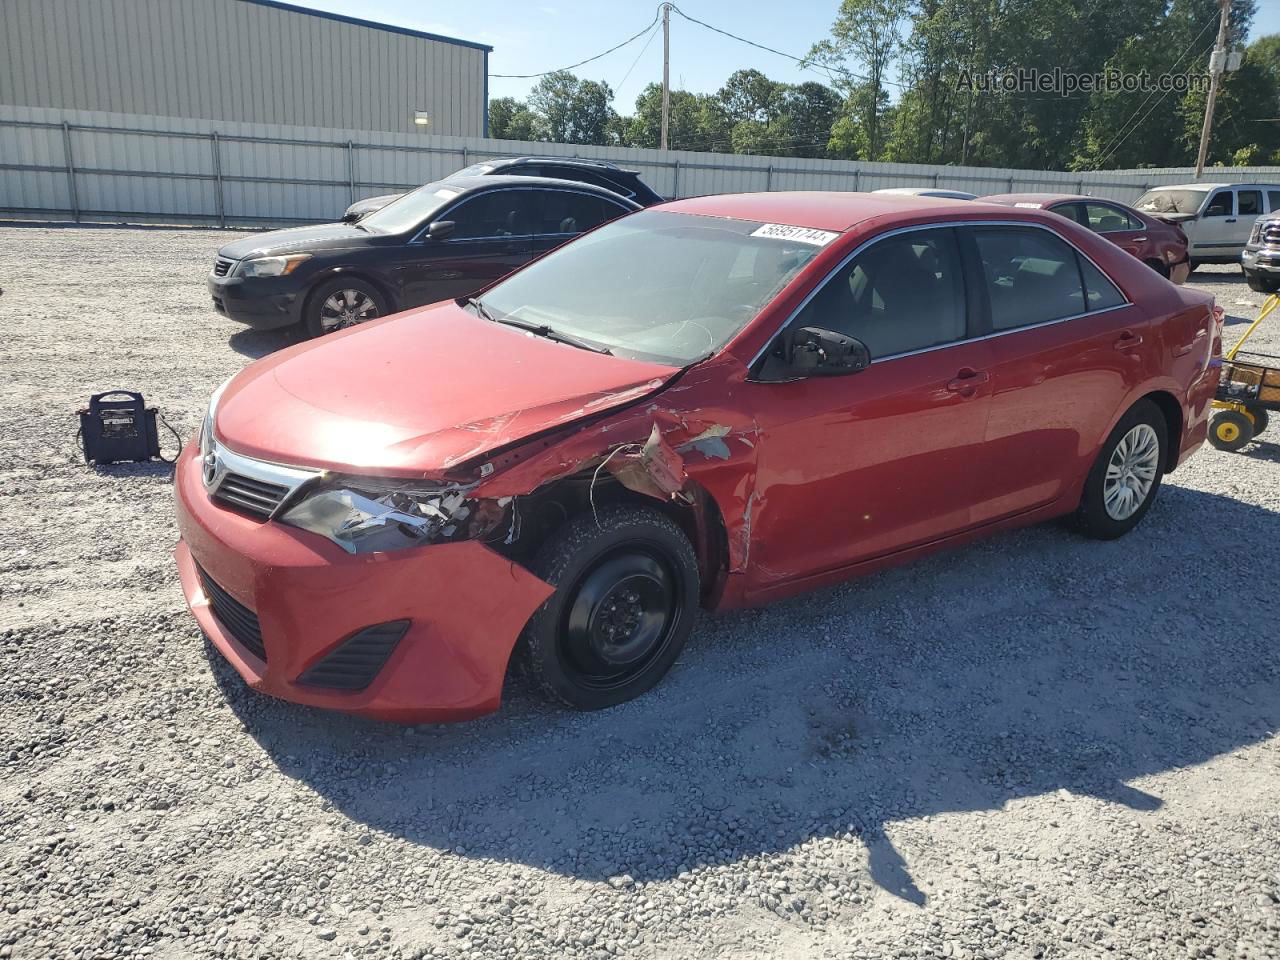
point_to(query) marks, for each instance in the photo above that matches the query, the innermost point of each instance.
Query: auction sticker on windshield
(780, 231)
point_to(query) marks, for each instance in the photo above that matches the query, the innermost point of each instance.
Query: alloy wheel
(346, 308)
(1131, 472)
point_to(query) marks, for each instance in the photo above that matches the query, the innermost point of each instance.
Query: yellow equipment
(1246, 392)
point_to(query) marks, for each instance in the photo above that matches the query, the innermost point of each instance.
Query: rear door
(565, 214)
(1117, 225)
(493, 234)
(1067, 348)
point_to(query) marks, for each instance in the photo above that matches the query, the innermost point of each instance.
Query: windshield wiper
(540, 330)
(475, 304)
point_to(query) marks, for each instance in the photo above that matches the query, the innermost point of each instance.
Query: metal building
(246, 60)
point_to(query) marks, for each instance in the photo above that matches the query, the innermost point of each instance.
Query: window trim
(753, 367)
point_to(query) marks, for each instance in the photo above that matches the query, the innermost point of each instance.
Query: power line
(653, 32)
(805, 63)
(580, 63)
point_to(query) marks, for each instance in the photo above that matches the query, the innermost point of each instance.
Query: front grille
(1271, 232)
(256, 496)
(222, 266)
(235, 617)
(356, 661)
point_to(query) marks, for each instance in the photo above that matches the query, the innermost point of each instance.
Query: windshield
(657, 285)
(409, 211)
(1171, 201)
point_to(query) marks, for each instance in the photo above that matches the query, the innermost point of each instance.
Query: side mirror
(825, 353)
(350, 217)
(441, 229)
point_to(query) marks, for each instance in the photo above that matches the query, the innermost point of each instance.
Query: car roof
(923, 192)
(567, 161)
(467, 184)
(830, 210)
(1043, 199)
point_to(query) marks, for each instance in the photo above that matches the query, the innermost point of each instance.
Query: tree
(685, 130)
(865, 36)
(509, 119)
(569, 110)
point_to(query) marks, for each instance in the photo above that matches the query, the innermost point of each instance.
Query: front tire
(1126, 477)
(1261, 284)
(340, 303)
(626, 595)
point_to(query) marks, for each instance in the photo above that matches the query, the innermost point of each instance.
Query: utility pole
(1217, 63)
(666, 72)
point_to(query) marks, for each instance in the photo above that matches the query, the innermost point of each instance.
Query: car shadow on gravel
(1029, 664)
(256, 344)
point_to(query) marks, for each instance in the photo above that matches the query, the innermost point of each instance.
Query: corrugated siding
(170, 169)
(229, 60)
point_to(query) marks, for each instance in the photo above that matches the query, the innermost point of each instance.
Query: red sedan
(713, 403)
(1159, 244)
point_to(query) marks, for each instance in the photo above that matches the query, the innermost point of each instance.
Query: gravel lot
(1034, 747)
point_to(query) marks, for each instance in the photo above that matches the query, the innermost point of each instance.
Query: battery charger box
(118, 427)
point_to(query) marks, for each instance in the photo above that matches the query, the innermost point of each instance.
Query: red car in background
(1159, 244)
(716, 402)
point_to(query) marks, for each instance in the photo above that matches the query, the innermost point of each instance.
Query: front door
(492, 235)
(1212, 231)
(1066, 348)
(857, 466)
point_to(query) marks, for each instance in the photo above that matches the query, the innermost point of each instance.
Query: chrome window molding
(898, 231)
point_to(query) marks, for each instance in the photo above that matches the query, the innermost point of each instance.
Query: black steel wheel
(626, 595)
(1260, 419)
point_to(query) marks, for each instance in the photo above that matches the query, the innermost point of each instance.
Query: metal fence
(101, 167)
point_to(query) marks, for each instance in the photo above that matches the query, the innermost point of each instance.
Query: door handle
(1139, 239)
(967, 381)
(1128, 341)
(1231, 219)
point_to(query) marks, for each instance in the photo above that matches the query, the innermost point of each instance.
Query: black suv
(445, 240)
(598, 173)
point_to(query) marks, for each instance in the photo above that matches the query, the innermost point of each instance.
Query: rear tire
(1158, 267)
(1260, 419)
(626, 596)
(340, 303)
(1230, 430)
(1125, 478)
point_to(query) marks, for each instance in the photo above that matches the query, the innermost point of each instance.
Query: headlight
(271, 266)
(206, 425)
(367, 515)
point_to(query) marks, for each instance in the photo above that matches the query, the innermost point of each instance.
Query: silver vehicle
(1216, 217)
(928, 192)
(1261, 258)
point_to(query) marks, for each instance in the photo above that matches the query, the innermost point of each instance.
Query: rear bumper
(465, 604)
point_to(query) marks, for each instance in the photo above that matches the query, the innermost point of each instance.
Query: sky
(533, 36)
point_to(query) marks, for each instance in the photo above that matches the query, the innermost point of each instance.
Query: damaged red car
(712, 403)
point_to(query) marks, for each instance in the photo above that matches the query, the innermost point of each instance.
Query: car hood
(417, 393)
(324, 236)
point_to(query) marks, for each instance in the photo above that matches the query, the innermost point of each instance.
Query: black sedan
(598, 173)
(444, 240)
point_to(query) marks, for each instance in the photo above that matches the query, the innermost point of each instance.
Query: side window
(1031, 276)
(1221, 204)
(1099, 291)
(564, 212)
(1249, 202)
(499, 213)
(901, 294)
(1104, 218)
(1273, 200)
(1071, 211)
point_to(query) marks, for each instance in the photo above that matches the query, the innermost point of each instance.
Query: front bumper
(465, 604)
(266, 303)
(1265, 261)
